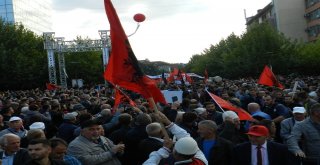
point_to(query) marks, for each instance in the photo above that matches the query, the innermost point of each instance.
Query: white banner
(172, 96)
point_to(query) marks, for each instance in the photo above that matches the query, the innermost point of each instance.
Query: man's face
(316, 114)
(257, 140)
(299, 116)
(210, 108)
(253, 92)
(204, 115)
(225, 95)
(38, 151)
(13, 145)
(288, 99)
(204, 131)
(91, 133)
(16, 124)
(268, 100)
(59, 151)
(137, 101)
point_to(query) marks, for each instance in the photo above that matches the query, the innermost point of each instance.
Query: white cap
(37, 125)
(313, 94)
(186, 146)
(75, 113)
(24, 109)
(14, 118)
(230, 114)
(69, 116)
(200, 110)
(299, 110)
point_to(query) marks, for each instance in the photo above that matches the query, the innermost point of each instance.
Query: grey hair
(153, 129)
(4, 138)
(209, 124)
(105, 112)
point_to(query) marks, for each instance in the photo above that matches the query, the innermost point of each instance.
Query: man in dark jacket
(217, 150)
(66, 129)
(259, 150)
(152, 143)
(12, 154)
(133, 138)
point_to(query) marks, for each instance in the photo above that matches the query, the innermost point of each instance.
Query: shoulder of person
(241, 145)
(224, 141)
(22, 150)
(278, 145)
(58, 162)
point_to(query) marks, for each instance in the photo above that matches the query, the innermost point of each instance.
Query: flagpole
(215, 101)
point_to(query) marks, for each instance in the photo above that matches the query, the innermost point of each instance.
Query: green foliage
(24, 62)
(84, 65)
(22, 58)
(246, 55)
(309, 58)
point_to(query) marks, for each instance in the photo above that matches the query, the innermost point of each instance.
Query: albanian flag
(123, 68)
(268, 78)
(243, 115)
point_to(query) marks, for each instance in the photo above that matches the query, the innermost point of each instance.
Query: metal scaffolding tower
(57, 44)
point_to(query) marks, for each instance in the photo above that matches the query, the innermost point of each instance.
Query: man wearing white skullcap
(185, 150)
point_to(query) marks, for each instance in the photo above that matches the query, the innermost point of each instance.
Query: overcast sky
(173, 31)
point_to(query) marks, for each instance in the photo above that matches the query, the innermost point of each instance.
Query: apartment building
(35, 15)
(296, 19)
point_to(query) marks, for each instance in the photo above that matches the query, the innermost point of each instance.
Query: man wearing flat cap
(79, 108)
(309, 131)
(92, 149)
(299, 114)
(259, 151)
(15, 127)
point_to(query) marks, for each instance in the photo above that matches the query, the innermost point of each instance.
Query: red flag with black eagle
(269, 79)
(123, 68)
(243, 115)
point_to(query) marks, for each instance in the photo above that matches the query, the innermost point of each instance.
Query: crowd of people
(82, 126)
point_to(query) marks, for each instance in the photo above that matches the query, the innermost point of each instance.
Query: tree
(22, 58)
(246, 55)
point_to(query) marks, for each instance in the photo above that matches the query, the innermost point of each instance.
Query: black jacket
(52, 162)
(277, 154)
(20, 157)
(146, 146)
(220, 153)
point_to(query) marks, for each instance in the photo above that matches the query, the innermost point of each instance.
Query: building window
(310, 3)
(313, 15)
(313, 31)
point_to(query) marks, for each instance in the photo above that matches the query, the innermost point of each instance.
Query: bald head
(253, 107)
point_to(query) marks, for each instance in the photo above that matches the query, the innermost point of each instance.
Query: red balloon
(139, 17)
